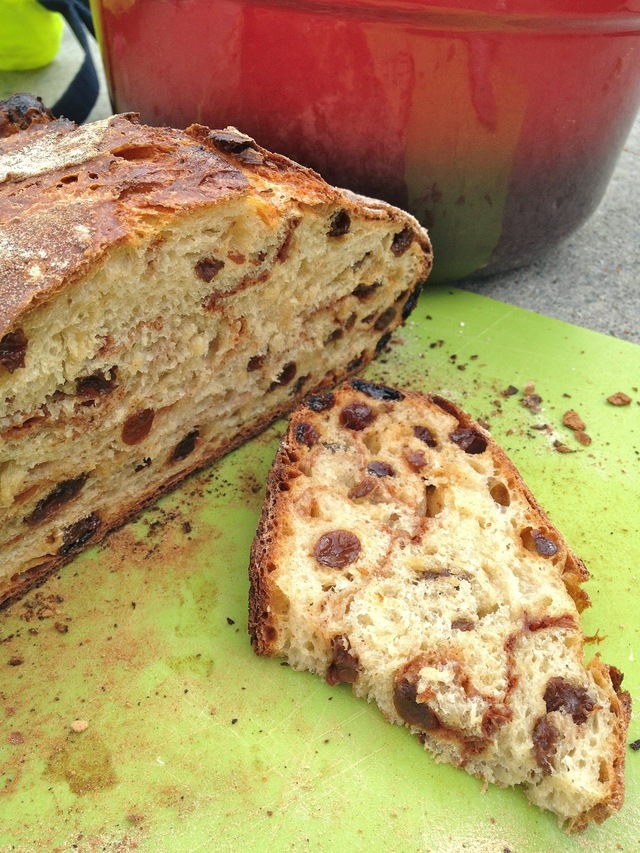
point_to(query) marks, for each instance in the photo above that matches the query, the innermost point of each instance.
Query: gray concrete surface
(592, 279)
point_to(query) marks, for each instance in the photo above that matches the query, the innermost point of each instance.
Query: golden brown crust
(20, 111)
(70, 194)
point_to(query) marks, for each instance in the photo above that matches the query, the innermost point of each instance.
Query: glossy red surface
(498, 124)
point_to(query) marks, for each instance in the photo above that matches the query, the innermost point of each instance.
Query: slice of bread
(164, 295)
(400, 551)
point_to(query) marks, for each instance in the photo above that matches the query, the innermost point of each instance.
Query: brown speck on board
(562, 448)
(583, 438)
(619, 399)
(573, 420)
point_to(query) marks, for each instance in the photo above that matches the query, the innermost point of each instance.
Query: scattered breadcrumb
(562, 448)
(583, 438)
(530, 399)
(573, 420)
(619, 399)
(79, 726)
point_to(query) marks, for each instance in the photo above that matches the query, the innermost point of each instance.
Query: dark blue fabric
(82, 93)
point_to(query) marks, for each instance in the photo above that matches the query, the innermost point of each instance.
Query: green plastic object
(193, 743)
(30, 35)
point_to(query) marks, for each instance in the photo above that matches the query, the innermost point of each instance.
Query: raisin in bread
(164, 295)
(400, 551)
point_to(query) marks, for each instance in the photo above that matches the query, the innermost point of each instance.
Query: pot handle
(82, 92)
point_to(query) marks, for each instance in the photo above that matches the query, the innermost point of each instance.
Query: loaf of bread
(400, 551)
(164, 295)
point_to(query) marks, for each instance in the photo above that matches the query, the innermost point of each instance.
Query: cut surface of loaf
(164, 295)
(400, 551)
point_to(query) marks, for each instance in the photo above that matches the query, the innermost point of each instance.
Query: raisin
(207, 268)
(561, 695)
(285, 376)
(382, 343)
(185, 447)
(357, 416)
(334, 336)
(545, 741)
(401, 241)
(337, 549)
(412, 301)
(536, 542)
(306, 434)
(469, 440)
(76, 535)
(300, 382)
(320, 402)
(416, 459)
(137, 426)
(544, 546)
(256, 362)
(58, 497)
(344, 665)
(355, 363)
(91, 388)
(384, 319)
(425, 435)
(13, 349)
(340, 224)
(376, 392)
(364, 291)
(414, 713)
(380, 469)
(361, 489)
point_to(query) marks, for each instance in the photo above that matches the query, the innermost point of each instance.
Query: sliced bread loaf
(164, 295)
(400, 551)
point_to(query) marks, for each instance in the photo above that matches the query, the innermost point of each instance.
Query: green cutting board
(195, 744)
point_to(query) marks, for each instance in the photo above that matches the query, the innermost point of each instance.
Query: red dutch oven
(497, 123)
